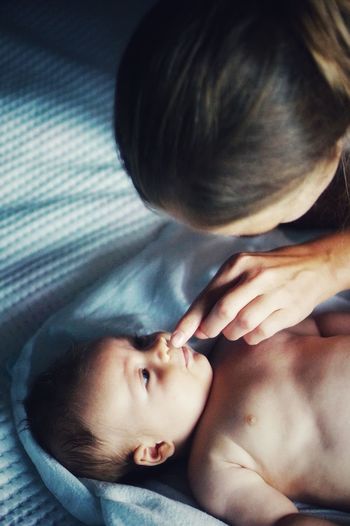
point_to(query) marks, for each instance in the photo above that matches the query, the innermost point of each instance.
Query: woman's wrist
(333, 250)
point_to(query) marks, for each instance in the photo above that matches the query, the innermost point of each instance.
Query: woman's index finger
(187, 326)
(197, 312)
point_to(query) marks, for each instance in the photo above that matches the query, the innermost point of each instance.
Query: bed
(72, 231)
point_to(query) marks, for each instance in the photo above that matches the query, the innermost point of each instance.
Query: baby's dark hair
(224, 106)
(53, 406)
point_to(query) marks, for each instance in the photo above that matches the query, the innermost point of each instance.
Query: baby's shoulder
(212, 452)
(213, 467)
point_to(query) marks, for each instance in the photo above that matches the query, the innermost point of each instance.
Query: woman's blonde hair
(222, 107)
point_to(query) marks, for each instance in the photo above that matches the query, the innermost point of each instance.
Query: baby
(268, 424)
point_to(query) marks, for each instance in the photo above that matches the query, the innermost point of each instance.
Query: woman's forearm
(334, 250)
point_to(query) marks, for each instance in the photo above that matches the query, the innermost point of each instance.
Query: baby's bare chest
(293, 431)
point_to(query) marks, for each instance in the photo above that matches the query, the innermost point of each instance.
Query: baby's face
(145, 390)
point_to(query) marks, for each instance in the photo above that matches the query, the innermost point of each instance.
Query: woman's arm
(255, 295)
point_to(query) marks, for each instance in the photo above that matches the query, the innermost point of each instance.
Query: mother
(232, 116)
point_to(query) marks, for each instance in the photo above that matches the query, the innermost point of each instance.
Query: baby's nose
(162, 348)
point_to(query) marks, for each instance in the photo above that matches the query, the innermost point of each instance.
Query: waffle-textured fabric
(68, 213)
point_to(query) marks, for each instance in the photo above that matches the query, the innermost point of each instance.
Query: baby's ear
(154, 454)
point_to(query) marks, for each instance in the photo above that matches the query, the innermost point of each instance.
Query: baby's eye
(142, 342)
(145, 375)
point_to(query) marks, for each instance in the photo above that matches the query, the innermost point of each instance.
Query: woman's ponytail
(325, 26)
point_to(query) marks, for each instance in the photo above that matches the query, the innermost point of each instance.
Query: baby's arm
(327, 324)
(242, 498)
(333, 323)
(303, 520)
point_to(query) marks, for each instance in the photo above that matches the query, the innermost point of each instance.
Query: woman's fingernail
(178, 339)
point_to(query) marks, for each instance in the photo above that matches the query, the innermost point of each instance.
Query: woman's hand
(255, 295)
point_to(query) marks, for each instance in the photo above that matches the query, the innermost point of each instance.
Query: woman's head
(223, 108)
